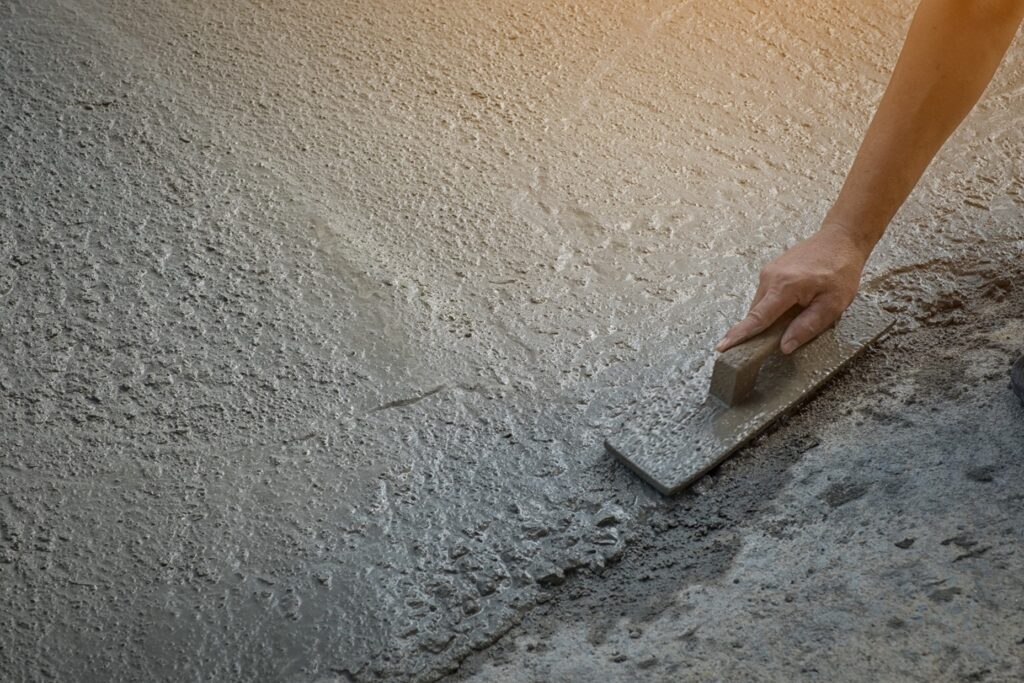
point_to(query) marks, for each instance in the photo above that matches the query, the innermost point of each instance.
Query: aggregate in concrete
(316, 314)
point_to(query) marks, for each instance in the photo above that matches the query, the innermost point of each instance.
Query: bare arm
(951, 52)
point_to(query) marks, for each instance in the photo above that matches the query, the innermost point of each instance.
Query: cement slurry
(316, 313)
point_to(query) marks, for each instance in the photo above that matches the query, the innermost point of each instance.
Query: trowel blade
(671, 444)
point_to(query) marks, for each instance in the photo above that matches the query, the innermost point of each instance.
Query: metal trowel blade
(671, 445)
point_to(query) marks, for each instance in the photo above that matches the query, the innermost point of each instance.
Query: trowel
(671, 444)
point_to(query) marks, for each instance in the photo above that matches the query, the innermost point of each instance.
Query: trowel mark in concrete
(399, 403)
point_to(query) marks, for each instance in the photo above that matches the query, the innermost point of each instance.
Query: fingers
(762, 289)
(762, 314)
(814, 320)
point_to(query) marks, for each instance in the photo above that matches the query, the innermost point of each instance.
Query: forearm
(951, 52)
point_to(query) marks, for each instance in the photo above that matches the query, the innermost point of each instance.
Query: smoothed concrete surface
(316, 314)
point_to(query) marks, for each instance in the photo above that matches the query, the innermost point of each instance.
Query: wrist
(861, 236)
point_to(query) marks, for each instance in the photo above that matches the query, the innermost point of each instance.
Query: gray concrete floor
(315, 316)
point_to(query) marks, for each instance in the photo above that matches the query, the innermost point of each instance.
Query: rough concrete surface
(316, 314)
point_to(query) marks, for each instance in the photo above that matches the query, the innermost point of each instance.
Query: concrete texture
(316, 314)
(885, 547)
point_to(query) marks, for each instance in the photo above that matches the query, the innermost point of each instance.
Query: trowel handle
(736, 369)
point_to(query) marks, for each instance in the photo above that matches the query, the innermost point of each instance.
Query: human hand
(821, 273)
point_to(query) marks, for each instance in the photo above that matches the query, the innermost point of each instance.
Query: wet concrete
(316, 316)
(883, 547)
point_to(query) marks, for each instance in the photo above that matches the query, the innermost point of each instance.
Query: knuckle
(791, 283)
(787, 278)
(772, 274)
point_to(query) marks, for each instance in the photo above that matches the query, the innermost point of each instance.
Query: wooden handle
(736, 370)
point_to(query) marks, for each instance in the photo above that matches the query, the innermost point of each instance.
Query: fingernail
(789, 345)
(721, 344)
